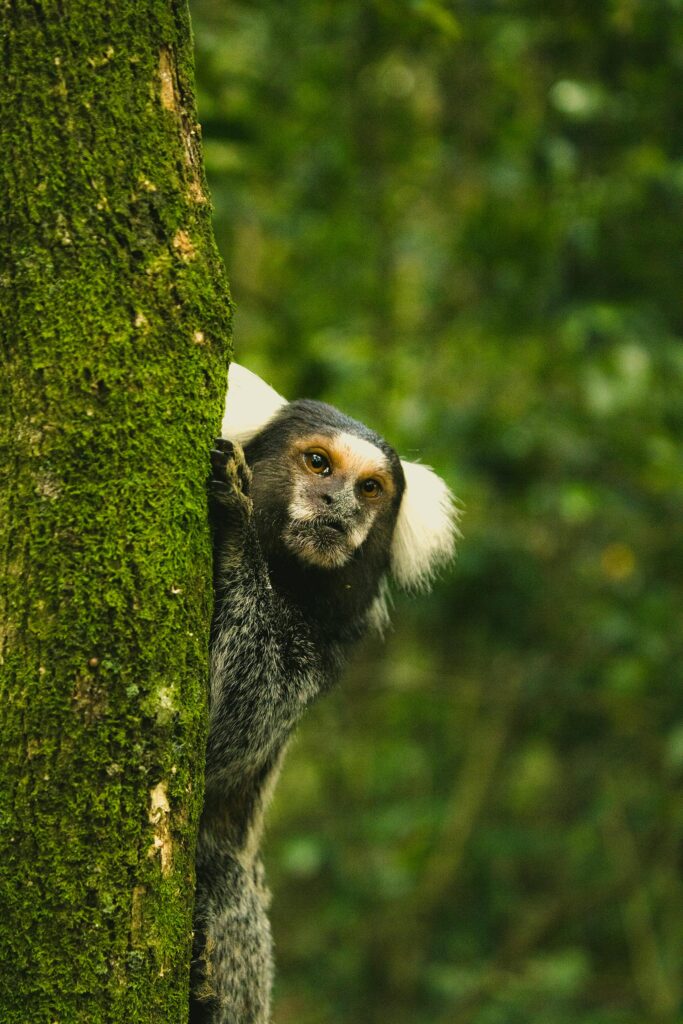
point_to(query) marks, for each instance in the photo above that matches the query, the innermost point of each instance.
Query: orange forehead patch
(351, 456)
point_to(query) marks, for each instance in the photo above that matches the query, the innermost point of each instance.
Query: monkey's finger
(223, 445)
(244, 477)
(221, 492)
(219, 463)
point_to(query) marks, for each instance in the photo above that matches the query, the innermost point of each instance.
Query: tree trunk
(114, 344)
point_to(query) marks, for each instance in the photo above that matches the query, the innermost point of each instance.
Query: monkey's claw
(230, 474)
(220, 456)
(223, 445)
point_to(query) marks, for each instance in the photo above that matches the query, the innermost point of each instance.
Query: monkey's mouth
(327, 532)
(322, 541)
(335, 525)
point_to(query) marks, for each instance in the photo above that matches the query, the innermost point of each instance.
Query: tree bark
(115, 327)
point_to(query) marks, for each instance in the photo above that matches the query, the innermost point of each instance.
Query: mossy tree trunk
(115, 322)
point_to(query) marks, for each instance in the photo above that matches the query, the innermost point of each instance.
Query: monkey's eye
(318, 463)
(371, 488)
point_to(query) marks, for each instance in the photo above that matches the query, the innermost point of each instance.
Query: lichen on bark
(115, 326)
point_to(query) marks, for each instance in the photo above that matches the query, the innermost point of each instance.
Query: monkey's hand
(230, 478)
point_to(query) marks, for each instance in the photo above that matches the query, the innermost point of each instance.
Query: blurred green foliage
(463, 224)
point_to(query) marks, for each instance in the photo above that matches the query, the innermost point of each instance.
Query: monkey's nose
(327, 499)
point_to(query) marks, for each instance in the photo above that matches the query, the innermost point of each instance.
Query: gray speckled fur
(280, 636)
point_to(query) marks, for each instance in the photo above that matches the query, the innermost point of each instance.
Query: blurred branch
(522, 940)
(463, 809)
(658, 993)
(466, 800)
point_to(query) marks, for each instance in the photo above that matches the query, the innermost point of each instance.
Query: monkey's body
(301, 553)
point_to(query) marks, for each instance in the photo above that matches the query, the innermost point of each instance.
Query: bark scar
(160, 818)
(169, 96)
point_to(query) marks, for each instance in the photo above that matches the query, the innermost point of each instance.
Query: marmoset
(313, 513)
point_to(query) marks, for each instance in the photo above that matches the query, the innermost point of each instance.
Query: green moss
(115, 324)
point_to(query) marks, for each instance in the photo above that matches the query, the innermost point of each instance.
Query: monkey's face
(326, 490)
(342, 486)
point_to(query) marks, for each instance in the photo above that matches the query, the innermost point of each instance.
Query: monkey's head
(324, 487)
(331, 492)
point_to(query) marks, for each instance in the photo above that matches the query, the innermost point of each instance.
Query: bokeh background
(462, 223)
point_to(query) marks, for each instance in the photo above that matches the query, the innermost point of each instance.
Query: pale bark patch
(183, 245)
(160, 818)
(169, 96)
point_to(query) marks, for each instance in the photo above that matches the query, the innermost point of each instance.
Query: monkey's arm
(264, 667)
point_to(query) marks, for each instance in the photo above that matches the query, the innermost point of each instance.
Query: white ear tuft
(426, 528)
(249, 405)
